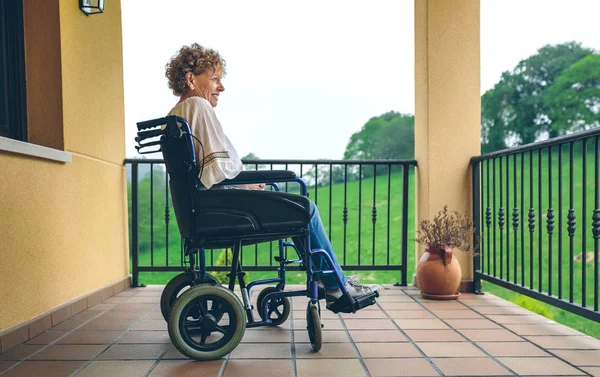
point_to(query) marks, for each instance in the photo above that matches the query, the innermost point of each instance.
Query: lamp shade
(91, 6)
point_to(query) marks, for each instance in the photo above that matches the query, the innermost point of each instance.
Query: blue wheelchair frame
(177, 127)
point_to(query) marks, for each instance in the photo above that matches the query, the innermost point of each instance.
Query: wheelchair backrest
(178, 152)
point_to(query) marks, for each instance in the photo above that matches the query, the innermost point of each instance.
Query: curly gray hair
(195, 59)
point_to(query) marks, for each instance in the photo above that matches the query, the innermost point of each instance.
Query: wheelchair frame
(196, 276)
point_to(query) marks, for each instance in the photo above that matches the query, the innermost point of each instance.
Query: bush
(225, 256)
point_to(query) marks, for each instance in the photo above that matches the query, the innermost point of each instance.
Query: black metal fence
(538, 211)
(365, 206)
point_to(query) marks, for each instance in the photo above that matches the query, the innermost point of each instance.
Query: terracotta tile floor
(403, 335)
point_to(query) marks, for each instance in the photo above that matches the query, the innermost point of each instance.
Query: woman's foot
(351, 281)
(353, 287)
(337, 302)
(355, 281)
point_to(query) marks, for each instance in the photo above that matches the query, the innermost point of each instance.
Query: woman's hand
(253, 186)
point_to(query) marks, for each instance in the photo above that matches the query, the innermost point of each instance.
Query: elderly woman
(195, 75)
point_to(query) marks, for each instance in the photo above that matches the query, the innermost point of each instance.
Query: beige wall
(447, 107)
(64, 225)
(92, 68)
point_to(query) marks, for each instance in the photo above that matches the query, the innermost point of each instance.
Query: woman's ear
(189, 78)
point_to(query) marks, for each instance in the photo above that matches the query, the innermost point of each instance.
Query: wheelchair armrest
(261, 176)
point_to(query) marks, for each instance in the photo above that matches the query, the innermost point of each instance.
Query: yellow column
(447, 107)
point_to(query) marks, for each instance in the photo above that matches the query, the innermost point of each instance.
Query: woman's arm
(250, 186)
(253, 186)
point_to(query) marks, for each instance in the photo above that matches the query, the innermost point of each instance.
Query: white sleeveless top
(220, 159)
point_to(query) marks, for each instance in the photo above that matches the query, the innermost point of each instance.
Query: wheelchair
(207, 320)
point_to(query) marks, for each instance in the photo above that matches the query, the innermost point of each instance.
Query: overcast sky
(303, 76)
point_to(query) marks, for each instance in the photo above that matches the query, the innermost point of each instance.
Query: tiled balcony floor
(403, 335)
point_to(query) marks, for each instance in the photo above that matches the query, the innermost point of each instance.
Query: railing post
(476, 187)
(405, 189)
(134, 225)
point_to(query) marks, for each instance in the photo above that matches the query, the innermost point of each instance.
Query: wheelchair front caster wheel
(174, 288)
(207, 322)
(313, 325)
(278, 309)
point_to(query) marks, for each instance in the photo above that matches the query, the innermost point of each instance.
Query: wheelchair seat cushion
(234, 212)
(238, 213)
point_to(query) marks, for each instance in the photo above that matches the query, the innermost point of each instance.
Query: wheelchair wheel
(278, 310)
(201, 333)
(313, 325)
(173, 289)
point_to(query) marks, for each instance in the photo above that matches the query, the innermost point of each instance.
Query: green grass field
(377, 245)
(374, 245)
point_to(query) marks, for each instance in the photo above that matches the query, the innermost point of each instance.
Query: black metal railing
(364, 205)
(546, 249)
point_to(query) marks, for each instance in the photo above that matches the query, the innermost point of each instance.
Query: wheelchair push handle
(151, 123)
(172, 129)
(142, 135)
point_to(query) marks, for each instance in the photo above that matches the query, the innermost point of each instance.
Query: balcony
(81, 239)
(403, 335)
(124, 334)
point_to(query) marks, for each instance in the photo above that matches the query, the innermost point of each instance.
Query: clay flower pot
(439, 274)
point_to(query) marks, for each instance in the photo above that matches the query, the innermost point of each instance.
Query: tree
(252, 157)
(573, 101)
(321, 176)
(515, 107)
(492, 123)
(387, 137)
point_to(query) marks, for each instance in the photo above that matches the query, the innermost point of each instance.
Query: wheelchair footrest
(346, 304)
(365, 300)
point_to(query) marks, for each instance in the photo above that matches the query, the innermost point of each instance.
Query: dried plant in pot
(438, 272)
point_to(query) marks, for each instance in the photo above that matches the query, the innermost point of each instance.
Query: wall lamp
(91, 6)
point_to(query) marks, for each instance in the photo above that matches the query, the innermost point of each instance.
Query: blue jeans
(319, 240)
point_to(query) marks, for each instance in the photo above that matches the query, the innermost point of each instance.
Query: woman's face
(208, 86)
